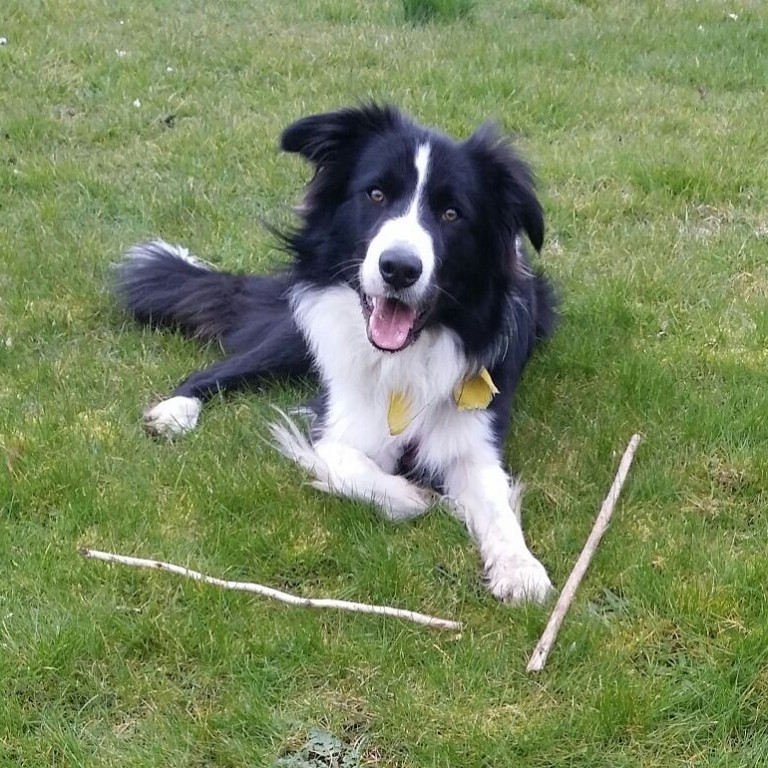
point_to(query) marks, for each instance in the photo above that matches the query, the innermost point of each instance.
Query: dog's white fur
(140, 252)
(173, 417)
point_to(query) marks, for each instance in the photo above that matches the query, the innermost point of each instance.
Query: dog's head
(424, 227)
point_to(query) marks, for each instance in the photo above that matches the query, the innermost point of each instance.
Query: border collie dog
(410, 295)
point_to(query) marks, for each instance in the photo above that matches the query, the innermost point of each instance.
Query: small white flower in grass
(169, 69)
(121, 54)
(137, 103)
(733, 16)
(3, 41)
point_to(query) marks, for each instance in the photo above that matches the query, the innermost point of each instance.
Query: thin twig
(544, 646)
(275, 594)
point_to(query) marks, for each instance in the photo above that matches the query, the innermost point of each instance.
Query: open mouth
(392, 325)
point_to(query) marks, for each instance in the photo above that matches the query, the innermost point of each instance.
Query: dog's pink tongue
(390, 323)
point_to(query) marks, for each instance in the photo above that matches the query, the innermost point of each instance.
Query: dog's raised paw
(519, 580)
(173, 417)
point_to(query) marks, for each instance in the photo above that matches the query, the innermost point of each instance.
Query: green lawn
(123, 120)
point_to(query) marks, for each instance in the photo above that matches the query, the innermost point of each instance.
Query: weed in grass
(323, 750)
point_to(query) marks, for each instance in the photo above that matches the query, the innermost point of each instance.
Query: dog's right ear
(322, 138)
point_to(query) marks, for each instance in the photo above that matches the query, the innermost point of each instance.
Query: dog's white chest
(362, 381)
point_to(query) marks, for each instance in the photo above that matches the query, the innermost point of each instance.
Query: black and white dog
(410, 295)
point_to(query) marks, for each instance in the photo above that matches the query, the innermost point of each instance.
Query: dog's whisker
(445, 293)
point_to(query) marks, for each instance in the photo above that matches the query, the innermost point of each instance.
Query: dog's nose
(399, 268)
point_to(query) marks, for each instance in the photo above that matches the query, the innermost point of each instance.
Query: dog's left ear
(510, 181)
(323, 138)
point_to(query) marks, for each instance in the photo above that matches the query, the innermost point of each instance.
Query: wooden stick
(544, 646)
(275, 594)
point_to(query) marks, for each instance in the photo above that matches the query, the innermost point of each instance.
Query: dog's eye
(450, 215)
(376, 195)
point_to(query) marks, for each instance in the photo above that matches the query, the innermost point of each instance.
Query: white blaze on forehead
(421, 162)
(406, 232)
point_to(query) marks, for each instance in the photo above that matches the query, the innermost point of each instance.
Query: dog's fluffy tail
(163, 285)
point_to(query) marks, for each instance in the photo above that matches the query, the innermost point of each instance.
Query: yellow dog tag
(398, 413)
(476, 392)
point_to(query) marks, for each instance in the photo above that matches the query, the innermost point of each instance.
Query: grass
(119, 121)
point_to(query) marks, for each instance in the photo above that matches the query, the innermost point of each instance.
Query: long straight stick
(544, 646)
(275, 594)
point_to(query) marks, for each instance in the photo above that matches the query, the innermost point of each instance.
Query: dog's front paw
(173, 417)
(407, 501)
(518, 580)
(398, 499)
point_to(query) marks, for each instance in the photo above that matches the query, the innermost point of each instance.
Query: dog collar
(472, 394)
